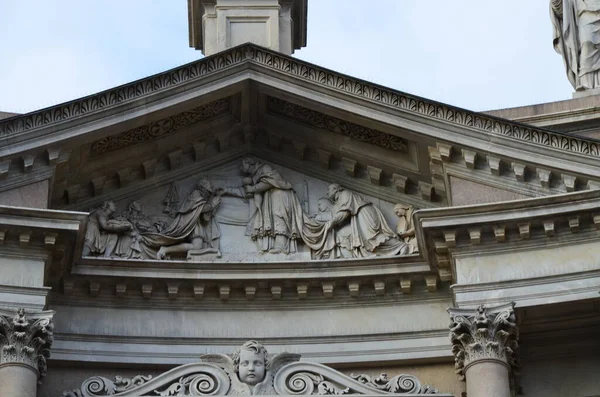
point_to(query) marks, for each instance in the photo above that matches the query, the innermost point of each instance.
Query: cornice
(251, 284)
(343, 84)
(443, 232)
(407, 347)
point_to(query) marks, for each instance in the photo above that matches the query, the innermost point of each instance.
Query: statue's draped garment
(279, 213)
(577, 38)
(365, 232)
(189, 223)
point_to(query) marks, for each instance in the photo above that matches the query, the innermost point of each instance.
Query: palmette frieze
(486, 333)
(306, 72)
(26, 338)
(251, 370)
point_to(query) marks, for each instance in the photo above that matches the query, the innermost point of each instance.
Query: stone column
(484, 343)
(25, 341)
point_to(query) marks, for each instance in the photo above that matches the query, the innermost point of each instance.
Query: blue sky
(475, 54)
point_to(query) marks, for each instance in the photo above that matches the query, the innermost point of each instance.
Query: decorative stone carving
(405, 227)
(487, 333)
(276, 223)
(333, 124)
(26, 338)
(102, 233)
(359, 228)
(194, 229)
(265, 208)
(161, 128)
(296, 68)
(576, 39)
(252, 371)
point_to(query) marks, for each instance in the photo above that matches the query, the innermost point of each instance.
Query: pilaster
(484, 343)
(25, 341)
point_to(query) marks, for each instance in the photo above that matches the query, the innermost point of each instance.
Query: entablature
(518, 249)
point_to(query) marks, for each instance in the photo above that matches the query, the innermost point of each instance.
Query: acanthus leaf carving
(486, 333)
(162, 127)
(26, 338)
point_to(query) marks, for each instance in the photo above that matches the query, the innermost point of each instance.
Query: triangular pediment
(254, 100)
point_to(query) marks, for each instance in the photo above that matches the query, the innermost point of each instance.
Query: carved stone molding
(280, 374)
(486, 333)
(304, 71)
(323, 121)
(26, 338)
(163, 127)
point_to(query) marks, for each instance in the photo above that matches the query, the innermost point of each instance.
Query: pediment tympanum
(249, 210)
(251, 370)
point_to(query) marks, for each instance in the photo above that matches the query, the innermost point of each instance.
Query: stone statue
(194, 226)
(405, 228)
(359, 227)
(102, 233)
(278, 216)
(577, 39)
(252, 371)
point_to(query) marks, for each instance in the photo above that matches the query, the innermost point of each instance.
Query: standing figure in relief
(360, 228)
(405, 227)
(102, 231)
(278, 217)
(577, 39)
(194, 226)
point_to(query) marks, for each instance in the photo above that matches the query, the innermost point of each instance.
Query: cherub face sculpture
(250, 362)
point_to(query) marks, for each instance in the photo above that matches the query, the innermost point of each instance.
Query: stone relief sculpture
(263, 206)
(324, 208)
(128, 244)
(359, 227)
(194, 226)
(405, 228)
(276, 223)
(577, 39)
(252, 371)
(102, 233)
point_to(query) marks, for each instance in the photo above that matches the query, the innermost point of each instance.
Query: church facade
(250, 223)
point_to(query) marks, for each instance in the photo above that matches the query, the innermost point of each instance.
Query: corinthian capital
(485, 333)
(26, 338)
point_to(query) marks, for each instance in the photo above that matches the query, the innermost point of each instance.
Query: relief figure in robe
(359, 227)
(405, 227)
(576, 26)
(102, 232)
(194, 226)
(128, 245)
(278, 217)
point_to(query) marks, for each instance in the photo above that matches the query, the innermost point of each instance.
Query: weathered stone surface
(252, 371)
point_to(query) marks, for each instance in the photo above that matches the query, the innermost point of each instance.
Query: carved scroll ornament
(283, 374)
